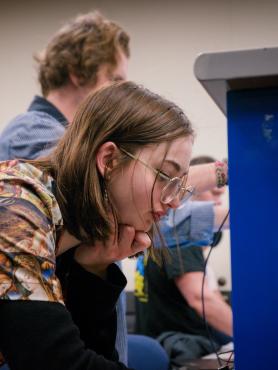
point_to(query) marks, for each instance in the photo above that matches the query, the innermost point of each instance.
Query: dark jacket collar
(42, 105)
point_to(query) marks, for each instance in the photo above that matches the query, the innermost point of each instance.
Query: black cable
(204, 314)
(228, 361)
(226, 352)
(216, 238)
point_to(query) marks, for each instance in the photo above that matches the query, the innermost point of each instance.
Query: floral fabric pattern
(29, 217)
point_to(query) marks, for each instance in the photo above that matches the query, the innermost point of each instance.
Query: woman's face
(136, 192)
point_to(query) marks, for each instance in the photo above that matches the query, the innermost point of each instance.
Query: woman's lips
(157, 215)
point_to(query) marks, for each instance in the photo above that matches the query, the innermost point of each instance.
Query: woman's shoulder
(20, 169)
(23, 180)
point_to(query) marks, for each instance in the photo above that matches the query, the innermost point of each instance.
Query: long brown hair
(129, 115)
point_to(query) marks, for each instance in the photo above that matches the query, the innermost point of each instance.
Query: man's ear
(106, 157)
(74, 79)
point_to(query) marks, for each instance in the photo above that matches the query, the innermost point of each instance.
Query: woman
(121, 164)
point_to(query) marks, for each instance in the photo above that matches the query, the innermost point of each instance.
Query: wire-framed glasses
(175, 186)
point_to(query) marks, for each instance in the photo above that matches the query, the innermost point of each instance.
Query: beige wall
(166, 38)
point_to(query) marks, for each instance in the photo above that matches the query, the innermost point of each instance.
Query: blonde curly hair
(79, 48)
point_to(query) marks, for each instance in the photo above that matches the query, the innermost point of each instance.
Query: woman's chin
(147, 227)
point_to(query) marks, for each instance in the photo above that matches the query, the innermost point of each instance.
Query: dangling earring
(105, 195)
(107, 178)
(107, 173)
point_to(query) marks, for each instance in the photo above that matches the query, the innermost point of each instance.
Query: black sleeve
(42, 336)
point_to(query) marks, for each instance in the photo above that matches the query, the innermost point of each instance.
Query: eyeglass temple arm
(146, 164)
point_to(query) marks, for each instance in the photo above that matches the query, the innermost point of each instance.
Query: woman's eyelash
(163, 174)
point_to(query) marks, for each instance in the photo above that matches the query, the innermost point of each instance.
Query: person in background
(169, 297)
(214, 195)
(82, 56)
(93, 199)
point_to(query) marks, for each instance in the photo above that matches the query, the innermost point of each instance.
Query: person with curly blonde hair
(82, 56)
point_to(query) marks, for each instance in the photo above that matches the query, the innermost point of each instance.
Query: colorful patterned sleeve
(27, 239)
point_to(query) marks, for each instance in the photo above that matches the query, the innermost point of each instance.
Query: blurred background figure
(169, 297)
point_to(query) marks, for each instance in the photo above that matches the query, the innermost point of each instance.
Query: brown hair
(80, 47)
(124, 113)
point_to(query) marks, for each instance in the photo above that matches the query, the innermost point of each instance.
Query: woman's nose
(175, 202)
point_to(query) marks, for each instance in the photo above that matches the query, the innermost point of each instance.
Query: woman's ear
(106, 157)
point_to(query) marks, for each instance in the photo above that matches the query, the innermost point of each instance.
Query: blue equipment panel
(253, 179)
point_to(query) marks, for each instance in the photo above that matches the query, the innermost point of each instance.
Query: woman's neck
(66, 241)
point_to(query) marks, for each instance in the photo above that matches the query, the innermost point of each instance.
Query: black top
(166, 309)
(55, 342)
